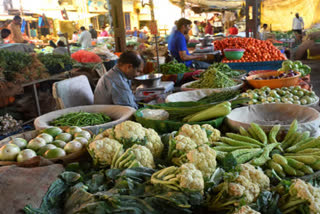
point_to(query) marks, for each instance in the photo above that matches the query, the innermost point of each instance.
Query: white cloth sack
(268, 115)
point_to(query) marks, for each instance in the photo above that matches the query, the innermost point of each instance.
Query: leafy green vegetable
(213, 78)
(224, 68)
(12, 62)
(289, 65)
(56, 63)
(81, 119)
(174, 67)
(113, 191)
(267, 203)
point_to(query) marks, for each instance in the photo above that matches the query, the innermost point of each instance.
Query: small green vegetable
(81, 119)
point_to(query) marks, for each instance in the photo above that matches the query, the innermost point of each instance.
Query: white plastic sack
(117, 113)
(268, 115)
(186, 96)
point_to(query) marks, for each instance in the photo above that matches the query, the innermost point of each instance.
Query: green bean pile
(174, 67)
(213, 78)
(81, 119)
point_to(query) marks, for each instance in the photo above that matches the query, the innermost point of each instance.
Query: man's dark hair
(182, 22)
(75, 31)
(195, 22)
(130, 57)
(5, 33)
(82, 28)
(16, 18)
(60, 43)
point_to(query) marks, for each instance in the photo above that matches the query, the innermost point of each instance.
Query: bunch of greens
(13, 62)
(112, 191)
(81, 119)
(224, 68)
(295, 66)
(174, 67)
(213, 78)
(56, 63)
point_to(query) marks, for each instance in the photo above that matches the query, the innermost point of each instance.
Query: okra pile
(297, 154)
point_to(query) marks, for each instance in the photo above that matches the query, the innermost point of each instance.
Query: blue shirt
(114, 88)
(176, 43)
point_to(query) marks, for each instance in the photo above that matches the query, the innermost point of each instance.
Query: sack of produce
(268, 115)
(85, 117)
(23, 186)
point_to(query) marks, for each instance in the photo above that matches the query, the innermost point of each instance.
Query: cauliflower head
(195, 132)
(154, 142)
(143, 155)
(249, 183)
(214, 133)
(204, 159)
(306, 191)
(246, 210)
(187, 176)
(136, 156)
(190, 177)
(184, 144)
(129, 131)
(107, 133)
(103, 151)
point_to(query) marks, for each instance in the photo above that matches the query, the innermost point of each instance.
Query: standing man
(114, 87)
(177, 46)
(298, 26)
(195, 29)
(93, 32)
(85, 38)
(15, 28)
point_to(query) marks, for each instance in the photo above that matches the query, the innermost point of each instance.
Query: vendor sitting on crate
(177, 46)
(115, 86)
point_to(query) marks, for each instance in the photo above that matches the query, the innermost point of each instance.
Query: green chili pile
(81, 119)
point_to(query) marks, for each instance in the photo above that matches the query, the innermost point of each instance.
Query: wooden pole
(252, 17)
(156, 35)
(118, 25)
(68, 48)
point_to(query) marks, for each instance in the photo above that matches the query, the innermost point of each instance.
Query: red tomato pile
(256, 50)
(86, 57)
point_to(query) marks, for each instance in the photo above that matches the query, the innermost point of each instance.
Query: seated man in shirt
(177, 46)
(4, 35)
(60, 49)
(115, 86)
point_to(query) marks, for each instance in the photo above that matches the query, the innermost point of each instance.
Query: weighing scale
(143, 92)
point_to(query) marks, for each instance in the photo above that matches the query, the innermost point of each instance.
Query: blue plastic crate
(253, 66)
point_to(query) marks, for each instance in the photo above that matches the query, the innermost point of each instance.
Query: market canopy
(281, 13)
(213, 4)
(73, 16)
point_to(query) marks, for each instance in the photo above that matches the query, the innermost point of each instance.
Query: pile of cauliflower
(129, 144)
(249, 183)
(108, 146)
(301, 193)
(191, 145)
(244, 185)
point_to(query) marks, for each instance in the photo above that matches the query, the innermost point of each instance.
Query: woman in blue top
(177, 46)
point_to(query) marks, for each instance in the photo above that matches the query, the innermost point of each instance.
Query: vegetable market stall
(192, 165)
